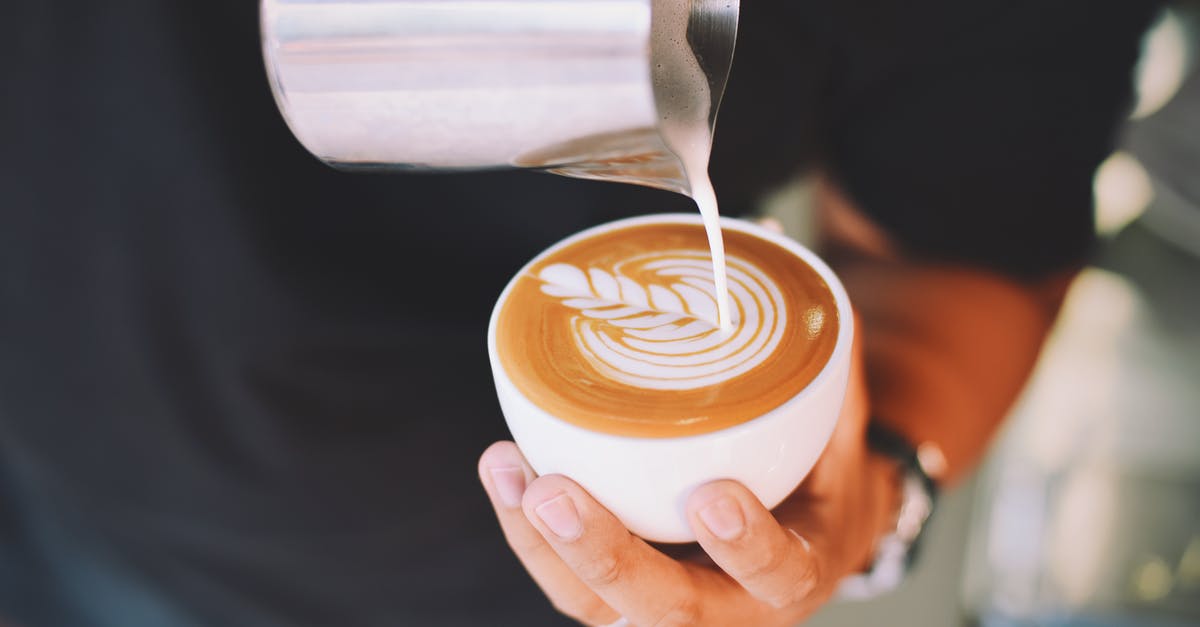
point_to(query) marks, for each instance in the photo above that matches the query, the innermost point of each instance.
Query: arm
(947, 347)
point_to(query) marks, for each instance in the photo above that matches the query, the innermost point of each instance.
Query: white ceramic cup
(645, 482)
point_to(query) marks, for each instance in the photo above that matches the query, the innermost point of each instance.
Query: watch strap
(897, 551)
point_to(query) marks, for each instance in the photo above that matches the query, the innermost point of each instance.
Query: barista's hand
(756, 567)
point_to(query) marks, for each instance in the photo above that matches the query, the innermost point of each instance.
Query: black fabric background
(258, 387)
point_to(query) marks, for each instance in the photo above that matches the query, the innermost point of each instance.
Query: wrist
(903, 495)
(885, 480)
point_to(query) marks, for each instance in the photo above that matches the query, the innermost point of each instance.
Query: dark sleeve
(972, 132)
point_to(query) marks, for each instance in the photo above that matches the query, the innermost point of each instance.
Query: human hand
(752, 566)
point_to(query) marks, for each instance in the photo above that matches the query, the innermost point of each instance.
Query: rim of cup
(841, 349)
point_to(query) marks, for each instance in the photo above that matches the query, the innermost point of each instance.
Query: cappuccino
(618, 332)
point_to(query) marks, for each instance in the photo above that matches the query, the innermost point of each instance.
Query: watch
(896, 551)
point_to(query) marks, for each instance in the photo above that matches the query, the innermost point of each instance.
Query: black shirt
(240, 388)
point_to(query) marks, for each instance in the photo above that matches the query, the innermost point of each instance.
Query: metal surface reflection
(562, 85)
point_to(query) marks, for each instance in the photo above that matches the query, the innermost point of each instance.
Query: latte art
(664, 335)
(618, 331)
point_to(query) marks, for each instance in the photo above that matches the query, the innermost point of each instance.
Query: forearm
(947, 348)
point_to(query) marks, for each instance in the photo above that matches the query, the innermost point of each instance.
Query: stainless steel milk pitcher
(577, 87)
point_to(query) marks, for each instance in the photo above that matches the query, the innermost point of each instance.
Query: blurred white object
(1165, 139)
(1123, 192)
(1167, 56)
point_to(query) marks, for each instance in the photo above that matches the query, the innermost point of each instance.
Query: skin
(941, 354)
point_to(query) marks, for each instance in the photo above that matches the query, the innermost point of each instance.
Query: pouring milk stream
(684, 99)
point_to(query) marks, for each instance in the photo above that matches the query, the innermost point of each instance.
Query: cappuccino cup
(611, 368)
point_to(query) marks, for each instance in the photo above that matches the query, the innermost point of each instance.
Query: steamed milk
(613, 332)
(684, 100)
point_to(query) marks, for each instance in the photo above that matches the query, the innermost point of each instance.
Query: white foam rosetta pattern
(664, 335)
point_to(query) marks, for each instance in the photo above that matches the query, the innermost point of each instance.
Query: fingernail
(723, 518)
(560, 516)
(510, 485)
(803, 541)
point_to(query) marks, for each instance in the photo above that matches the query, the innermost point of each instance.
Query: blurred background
(1087, 511)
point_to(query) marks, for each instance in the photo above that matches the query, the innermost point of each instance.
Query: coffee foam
(659, 330)
(618, 332)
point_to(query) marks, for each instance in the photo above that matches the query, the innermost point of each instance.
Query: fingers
(771, 224)
(641, 584)
(505, 475)
(595, 571)
(775, 565)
